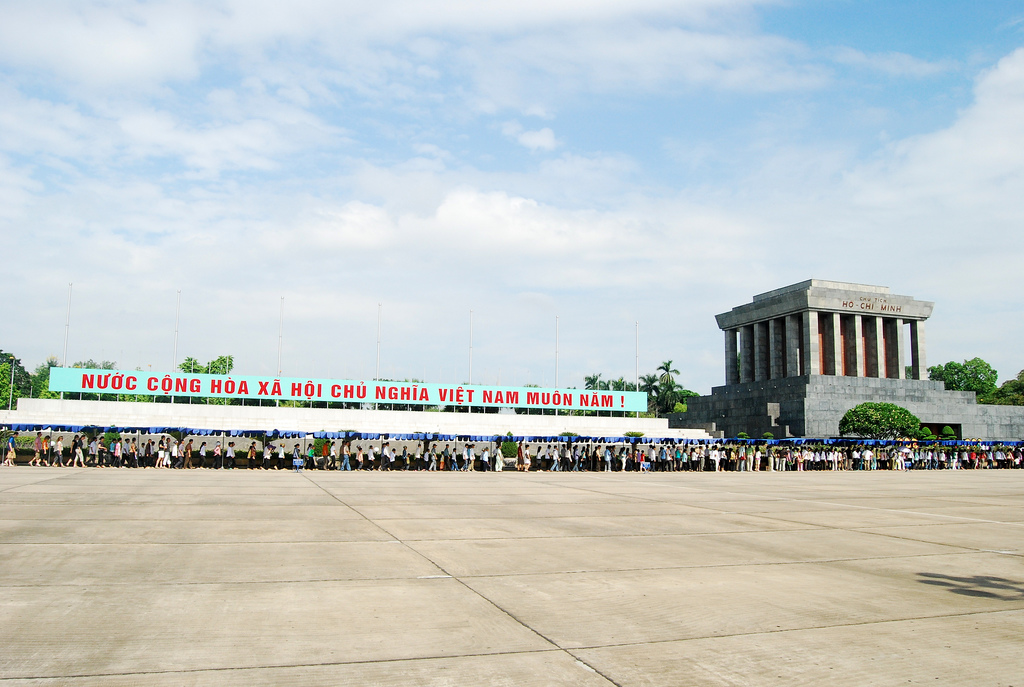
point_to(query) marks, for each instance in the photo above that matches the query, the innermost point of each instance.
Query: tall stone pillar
(732, 371)
(760, 351)
(918, 366)
(794, 331)
(746, 353)
(776, 349)
(834, 361)
(812, 348)
(874, 352)
(856, 366)
(901, 365)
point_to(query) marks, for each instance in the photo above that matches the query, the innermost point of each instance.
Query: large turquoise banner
(77, 380)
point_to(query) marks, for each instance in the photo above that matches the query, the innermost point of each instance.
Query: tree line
(664, 394)
(978, 376)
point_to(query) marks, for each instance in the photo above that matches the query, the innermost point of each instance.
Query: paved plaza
(172, 577)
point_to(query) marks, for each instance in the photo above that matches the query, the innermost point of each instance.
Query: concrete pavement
(145, 577)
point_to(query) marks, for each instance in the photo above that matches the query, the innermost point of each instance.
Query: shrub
(879, 421)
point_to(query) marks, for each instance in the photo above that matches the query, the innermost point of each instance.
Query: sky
(620, 166)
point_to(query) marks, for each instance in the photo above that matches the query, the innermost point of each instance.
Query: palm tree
(668, 395)
(649, 385)
(666, 373)
(592, 381)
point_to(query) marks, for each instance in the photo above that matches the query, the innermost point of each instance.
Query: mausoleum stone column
(760, 351)
(834, 346)
(812, 352)
(874, 354)
(901, 365)
(918, 366)
(746, 353)
(855, 368)
(776, 349)
(794, 330)
(732, 372)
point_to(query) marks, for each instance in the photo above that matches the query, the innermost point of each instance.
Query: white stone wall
(34, 411)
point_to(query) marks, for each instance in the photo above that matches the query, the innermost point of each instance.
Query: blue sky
(606, 162)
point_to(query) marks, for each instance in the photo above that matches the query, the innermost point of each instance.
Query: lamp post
(376, 374)
(67, 326)
(174, 362)
(637, 360)
(10, 394)
(280, 336)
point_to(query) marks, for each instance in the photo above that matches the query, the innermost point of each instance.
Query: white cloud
(542, 139)
(892, 63)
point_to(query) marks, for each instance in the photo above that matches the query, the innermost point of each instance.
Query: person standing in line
(268, 454)
(229, 456)
(607, 458)
(218, 457)
(296, 458)
(433, 458)
(499, 458)
(133, 453)
(448, 459)
(485, 460)
(346, 463)
(202, 455)
(93, 453)
(37, 448)
(58, 452)
(77, 454)
(332, 458)
(115, 453)
(186, 462)
(282, 456)
(359, 457)
(11, 451)
(175, 458)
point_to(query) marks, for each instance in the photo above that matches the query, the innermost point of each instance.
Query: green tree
(22, 381)
(41, 379)
(879, 421)
(649, 386)
(667, 371)
(971, 375)
(594, 382)
(1011, 393)
(91, 364)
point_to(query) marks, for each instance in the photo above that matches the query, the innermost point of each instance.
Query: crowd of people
(166, 452)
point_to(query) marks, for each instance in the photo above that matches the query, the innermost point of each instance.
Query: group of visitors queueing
(165, 452)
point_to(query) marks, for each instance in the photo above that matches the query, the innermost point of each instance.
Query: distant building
(797, 358)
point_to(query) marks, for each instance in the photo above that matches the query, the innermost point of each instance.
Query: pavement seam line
(480, 595)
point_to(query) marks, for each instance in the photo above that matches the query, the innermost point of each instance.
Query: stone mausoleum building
(797, 358)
